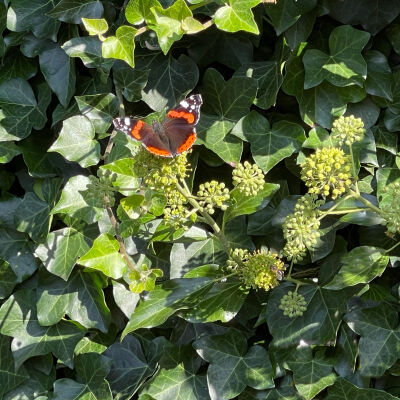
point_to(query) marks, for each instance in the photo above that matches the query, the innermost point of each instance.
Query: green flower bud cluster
(213, 194)
(236, 258)
(301, 229)
(391, 207)
(327, 172)
(144, 279)
(262, 270)
(293, 304)
(177, 216)
(248, 178)
(100, 191)
(348, 130)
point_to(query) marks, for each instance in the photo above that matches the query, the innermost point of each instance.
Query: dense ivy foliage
(263, 263)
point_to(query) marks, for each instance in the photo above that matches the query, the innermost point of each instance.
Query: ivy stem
(109, 209)
(367, 203)
(346, 211)
(327, 212)
(296, 281)
(392, 248)
(184, 190)
(353, 166)
(290, 269)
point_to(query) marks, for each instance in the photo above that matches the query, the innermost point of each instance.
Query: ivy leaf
(75, 142)
(100, 109)
(32, 217)
(138, 11)
(168, 23)
(344, 65)
(8, 280)
(124, 174)
(311, 374)
(286, 13)
(269, 80)
(232, 368)
(95, 26)
(9, 377)
(360, 265)
(20, 110)
(121, 46)
(19, 320)
(8, 150)
(379, 346)
(269, 145)
(129, 367)
(72, 201)
(243, 205)
(72, 11)
(345, 390)
(59, 72)
(169, 79)
(81, 298)
(16, 249)
(26, 15)
(165, 300)
(15, 65)
(89, 50)
(131, 80)
(237, 16)
(318, 325)
(104, 256)
(379, 76)
(91, 370)
(61, 251)
(230, 100)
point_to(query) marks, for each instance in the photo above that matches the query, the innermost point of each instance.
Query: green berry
(348, 130)
(248, 178)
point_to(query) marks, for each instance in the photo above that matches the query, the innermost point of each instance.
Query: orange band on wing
(158, 152)
(182, 114)
(136, 130)
(188, 143)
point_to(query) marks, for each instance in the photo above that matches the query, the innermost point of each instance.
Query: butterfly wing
(144, 133)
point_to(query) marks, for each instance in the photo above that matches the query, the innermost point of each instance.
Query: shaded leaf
(72, 11)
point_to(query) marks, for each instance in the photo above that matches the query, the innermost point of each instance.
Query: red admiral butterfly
(174, 135)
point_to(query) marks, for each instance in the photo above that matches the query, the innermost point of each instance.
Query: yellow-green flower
(213, 194)
(348, 129)
(248, 178)
(327, 172)
(301, 229)
(262, 270)
(237, 257)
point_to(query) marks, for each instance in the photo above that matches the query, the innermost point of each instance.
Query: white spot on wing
(184, 103)
(127, 120)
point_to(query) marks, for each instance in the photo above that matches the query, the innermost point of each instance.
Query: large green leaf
(20, 110)
(15, 65)
(9, 377)
(311, 374)
(345, 390)
(72, 201)
(131, 80)
(344, 65)
(72, 11)
(269, 145)
(8, 150)
(19, 320)
(75, 142)
(104, 256)
(91, 370)
(138, 11)
(81, 298)
(59, 72)
(8, 280)
(361, 265)
(232, 367)
(121, 46)
(379, 76)
(169, 79)
(165, 300)
(318, 325)
(128, 369)
(237, 16)
(379, 346)
(269, 79)
(61, 250)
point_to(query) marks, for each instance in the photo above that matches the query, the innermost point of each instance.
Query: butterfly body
(174, 135)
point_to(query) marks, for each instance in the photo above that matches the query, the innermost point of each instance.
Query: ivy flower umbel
(213, 194)
(293, 304)
(248, 178)
(236, 258)
(261, 270)
(327, 172)
(348, 130)
(301, 229)
(391, 207)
